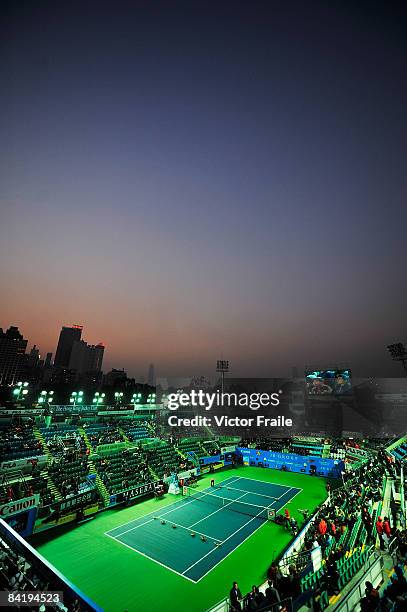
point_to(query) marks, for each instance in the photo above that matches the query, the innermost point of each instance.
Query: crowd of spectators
(70, 474)
(123, 470)
(20, 574)
(345, 506)
(105, 434)
(18, 441)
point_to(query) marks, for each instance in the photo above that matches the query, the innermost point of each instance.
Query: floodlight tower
(76, 398)
(21, 389)
(398, 352)
(46, 397)
(118, 397)
(98, 398)
(222, 366)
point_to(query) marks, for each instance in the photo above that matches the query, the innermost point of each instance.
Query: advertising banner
(20, 505)
(25, 465)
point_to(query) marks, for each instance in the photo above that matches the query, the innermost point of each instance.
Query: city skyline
(197, 182)
(394, 370)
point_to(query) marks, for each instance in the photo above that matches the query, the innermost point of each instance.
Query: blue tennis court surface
(195, 533)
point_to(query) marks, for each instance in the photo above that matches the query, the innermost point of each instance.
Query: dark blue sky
(190, 180)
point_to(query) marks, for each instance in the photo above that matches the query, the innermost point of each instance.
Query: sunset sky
(197, 180)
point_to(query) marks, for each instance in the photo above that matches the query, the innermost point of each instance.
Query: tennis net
(230, 504)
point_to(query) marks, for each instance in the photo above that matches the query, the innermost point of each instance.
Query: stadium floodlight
(118, 396)
(20, 389)
(151, 398)
(222, 366)
(98, 398)
(76, 397)
(136, 398)
(46, 397)
(398, 352)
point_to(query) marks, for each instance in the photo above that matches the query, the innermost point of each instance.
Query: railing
(285, 605)
(372, 572)
(299, 560)
(10, 539)
(403, 501)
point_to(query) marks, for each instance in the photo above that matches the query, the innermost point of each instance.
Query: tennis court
(194, 534)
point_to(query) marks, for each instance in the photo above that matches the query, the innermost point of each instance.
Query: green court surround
(119, 579)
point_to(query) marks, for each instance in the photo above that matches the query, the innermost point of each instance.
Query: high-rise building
(114, 376)
(34, 357)
(67, 337)
(151, 375)
(12, 351)
(48, 358)
(86, 357)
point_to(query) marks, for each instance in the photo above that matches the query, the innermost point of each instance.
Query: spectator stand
(24, 569)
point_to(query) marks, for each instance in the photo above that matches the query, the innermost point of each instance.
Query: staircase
(125, 438)
(51, 485)
(153, 474)
(100, 485)
(151, 428)
(44, 445)
(86, 439)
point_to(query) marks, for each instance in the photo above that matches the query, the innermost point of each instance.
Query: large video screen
(328, 382)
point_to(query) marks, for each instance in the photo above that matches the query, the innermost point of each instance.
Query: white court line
(243, 541)
(254, 493)
(298, 492)
(142, 516)
(198, 532)
(178, 503)
(151, 558)
(117, 535)
(287, 489)
(218, 510)
(223, 541)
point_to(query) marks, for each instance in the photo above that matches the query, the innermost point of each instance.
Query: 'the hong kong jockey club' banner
(20, 505)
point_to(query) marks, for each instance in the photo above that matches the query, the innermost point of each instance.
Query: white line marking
(219, 509)
(151, 558)
(223, 541)
(291, 498)
(242, 542)
(198, 532)
(232, 551)
(179, 505)
(151, 519)
(254, 493)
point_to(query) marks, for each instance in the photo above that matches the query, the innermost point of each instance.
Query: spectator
(272, 595)
(370, 602)
(235, 597)
(322, 527)
(379, 530)
(386, 532)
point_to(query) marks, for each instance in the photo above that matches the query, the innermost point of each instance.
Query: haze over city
(195, 181)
